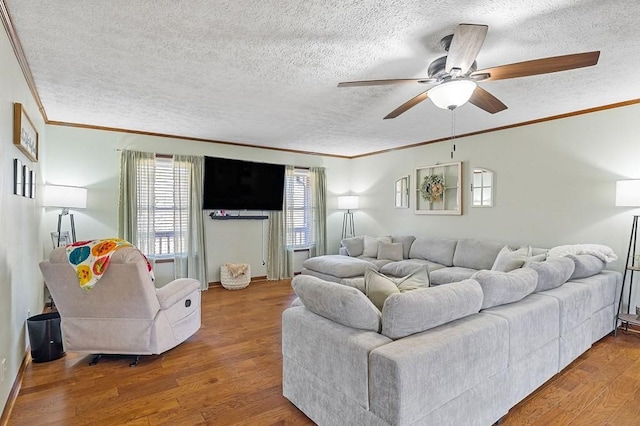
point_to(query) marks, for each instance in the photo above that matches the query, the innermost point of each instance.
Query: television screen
(242, 185)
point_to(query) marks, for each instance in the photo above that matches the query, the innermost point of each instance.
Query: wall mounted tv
(242, 185)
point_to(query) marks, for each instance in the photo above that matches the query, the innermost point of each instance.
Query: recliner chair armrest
(175, 291)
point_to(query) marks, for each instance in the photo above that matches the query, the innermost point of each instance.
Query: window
(482, 188)
(299, 210)
(163, 206)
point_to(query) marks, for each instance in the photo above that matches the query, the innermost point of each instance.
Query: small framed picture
(32, 192)
(62, 240)
(26, 181)
(17, 177)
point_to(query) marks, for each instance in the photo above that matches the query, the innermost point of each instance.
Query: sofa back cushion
(353, 245)
(476, 254)
(419, 310)
(342, 304)
(406, 241)
(436, 250)
(586, 265)
(553, 272)
(500, 288)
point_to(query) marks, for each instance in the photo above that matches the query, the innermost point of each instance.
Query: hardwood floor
(229, 373)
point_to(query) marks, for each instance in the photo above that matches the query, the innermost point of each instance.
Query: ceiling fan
(453, 77)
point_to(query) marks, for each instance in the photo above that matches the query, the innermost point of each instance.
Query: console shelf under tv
(234, 217)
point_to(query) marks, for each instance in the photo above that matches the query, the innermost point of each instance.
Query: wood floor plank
(230, 373)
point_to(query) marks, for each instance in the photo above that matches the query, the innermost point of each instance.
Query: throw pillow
(500, 288)
(371, 245)
(390, 251)
(537, 258)
(508, 259)
(378, 287)
(415, 280)
(353, 245)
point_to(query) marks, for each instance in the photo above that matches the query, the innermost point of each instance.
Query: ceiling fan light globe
(452, 94)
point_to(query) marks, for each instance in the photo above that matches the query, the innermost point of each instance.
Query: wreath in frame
(432, 188)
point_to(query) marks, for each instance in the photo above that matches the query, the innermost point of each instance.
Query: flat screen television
(242, 185)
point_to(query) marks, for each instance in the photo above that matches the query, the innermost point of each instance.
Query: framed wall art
(438, 189)
(26, 181)
(32, 193)
(17, 177)
(25, 136)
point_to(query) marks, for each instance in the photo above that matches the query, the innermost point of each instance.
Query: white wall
(555, 184)
(21, 284)
(89, 158)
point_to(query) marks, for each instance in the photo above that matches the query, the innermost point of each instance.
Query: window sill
(162, 260)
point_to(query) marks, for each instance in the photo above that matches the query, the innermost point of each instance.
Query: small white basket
(230, 283)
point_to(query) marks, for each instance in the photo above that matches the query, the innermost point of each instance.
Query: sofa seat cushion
(476, 254)
(603, 287)
(322, 276)
(500, 288)
(553, 272)
(586, 265)
(411, 377)
(575, 304)
(524, 338)
(338, 266)
(379, 263)
(436, 250)
(405, 267)
(411, 312)
(345, 305)
(450, 275)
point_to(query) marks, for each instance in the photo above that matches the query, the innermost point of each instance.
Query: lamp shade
(628, 193)
(348, 202)
(451, 94)
(70, 197)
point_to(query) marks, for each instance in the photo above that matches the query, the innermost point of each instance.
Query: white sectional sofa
(460, 353)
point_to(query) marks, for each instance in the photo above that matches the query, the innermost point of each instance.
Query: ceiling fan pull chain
(453, 131)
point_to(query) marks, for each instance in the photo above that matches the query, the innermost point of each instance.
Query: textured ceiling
(265, 72)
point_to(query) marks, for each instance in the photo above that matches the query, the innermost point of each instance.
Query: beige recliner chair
(124, 313)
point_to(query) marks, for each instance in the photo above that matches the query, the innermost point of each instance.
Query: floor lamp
(348, 203)
(65, 197)
(628, 195)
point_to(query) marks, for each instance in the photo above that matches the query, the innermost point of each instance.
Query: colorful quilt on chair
(90, 259)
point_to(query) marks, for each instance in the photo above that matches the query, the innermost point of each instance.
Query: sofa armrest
(175, 291)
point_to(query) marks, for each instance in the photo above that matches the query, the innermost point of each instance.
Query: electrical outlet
(3, 369)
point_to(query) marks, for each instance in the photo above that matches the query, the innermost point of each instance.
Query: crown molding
(510, 126)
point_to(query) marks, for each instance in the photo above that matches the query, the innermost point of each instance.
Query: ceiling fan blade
(385, 82)
(465, 46)
(541, 66)
(486, 101)
(407, 105)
